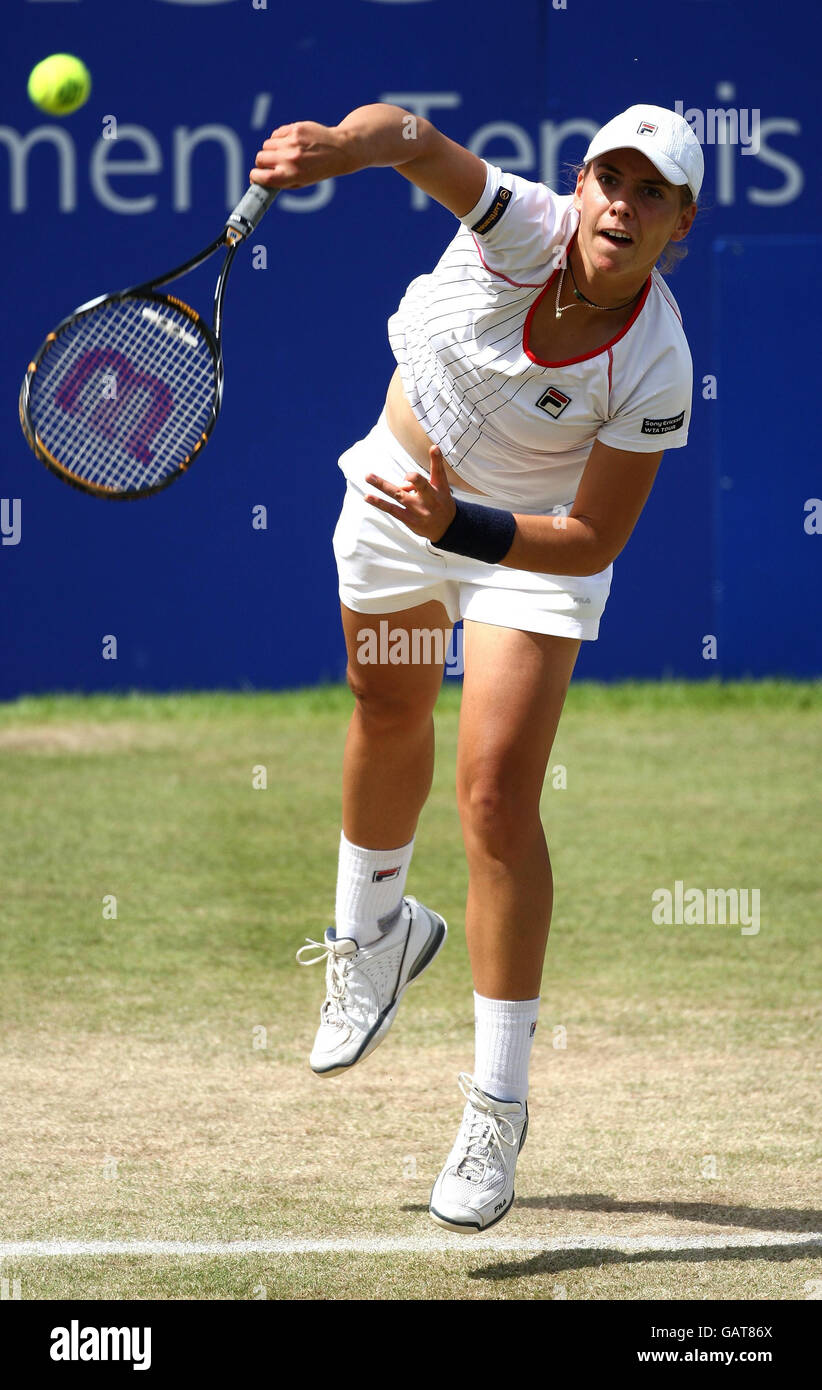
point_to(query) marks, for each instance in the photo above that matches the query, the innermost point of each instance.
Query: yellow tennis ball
(60, 84)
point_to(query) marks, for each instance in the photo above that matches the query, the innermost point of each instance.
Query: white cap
(662, 136)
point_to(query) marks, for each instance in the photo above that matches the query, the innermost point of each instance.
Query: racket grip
(251, 208)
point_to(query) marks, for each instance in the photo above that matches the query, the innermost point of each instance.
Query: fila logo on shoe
(500, 1207)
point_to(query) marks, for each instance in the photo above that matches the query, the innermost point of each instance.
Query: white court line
(411, 1245)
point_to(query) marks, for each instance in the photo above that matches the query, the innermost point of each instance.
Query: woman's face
(622, 192)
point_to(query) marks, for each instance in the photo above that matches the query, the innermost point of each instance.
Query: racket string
(124, 393)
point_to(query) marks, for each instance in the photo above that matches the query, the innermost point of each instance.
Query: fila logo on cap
(647, 128)
(553, 401)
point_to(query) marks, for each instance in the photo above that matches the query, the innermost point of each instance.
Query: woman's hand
(297, 155)
(427, 507)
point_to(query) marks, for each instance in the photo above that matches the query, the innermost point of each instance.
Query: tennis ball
(60, 84)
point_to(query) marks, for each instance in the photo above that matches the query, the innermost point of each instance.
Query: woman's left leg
(513, 693)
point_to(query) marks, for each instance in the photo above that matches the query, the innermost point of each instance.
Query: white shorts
(383, 567)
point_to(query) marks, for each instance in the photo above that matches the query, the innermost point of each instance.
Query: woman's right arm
(376, 136)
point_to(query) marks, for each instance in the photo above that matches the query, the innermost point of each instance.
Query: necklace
(579, 297)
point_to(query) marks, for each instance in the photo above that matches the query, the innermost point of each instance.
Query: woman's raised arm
(370, 137)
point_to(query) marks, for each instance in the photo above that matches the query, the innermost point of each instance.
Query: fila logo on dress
(553, 401)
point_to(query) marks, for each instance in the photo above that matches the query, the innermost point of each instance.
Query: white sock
(370, 885)
(504, 1035)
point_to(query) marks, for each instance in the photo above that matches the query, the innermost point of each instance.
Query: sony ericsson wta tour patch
(671, 422)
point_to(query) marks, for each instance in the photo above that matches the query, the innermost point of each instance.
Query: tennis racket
(122, 396)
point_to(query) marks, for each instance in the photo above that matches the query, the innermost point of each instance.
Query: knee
(381, 704)
(499, 820)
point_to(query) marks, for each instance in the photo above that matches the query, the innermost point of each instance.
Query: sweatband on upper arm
(481, 533)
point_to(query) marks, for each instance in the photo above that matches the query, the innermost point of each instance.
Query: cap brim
(665, 166)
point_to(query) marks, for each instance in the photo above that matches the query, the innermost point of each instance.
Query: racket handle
(251, 208)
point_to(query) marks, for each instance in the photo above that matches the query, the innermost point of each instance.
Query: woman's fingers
(275, 138)
(390, 489)
(427, 510)
(405, 494)
(300, 154)
(438, 477)
(379, 502)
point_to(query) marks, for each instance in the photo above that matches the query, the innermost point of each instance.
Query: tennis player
(542, 369)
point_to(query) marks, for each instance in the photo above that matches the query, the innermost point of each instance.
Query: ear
(684, 223)
(578, 189)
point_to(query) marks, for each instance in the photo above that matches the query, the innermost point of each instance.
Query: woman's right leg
(381, 941)
(388, 762)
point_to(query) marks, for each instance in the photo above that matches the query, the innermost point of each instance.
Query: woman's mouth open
(615, 237)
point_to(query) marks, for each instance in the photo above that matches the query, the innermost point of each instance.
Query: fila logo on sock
(383, 875)
(533, 1030)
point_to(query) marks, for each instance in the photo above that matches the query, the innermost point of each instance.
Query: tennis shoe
(476, 1186)
(364, 985)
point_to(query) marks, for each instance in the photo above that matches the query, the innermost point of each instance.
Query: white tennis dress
(516, 427)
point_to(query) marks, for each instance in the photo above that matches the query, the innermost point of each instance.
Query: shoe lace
(336, 983)
(483, 1131)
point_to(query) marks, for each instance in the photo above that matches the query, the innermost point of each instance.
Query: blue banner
(195, 589)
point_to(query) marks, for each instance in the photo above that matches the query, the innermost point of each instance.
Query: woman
(542, 369)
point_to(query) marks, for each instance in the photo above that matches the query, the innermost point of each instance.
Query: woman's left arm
(612, 492)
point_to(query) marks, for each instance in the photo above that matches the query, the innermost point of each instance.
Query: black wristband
(481, 533)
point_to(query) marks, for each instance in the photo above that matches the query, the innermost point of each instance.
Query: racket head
(123, 394)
